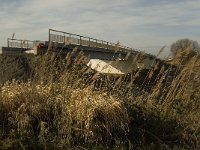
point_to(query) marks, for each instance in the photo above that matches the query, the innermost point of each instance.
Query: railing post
(70, 39)
(8, 42)
(80, 40)
(21, 43)
(49, 35)
(96, 43)
(89, 42)
(64, 39)
(107, 45)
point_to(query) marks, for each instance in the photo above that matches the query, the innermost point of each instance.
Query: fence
(16, 43)
(69, 38)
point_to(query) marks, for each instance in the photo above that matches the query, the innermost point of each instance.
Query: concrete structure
(119, 66)
(103, 66)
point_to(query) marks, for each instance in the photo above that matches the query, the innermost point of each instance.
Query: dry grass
(66, 105)
(62, 115)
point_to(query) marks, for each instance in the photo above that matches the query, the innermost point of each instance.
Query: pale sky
(144, 24)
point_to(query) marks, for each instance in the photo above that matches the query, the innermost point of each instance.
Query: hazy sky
(135, 23)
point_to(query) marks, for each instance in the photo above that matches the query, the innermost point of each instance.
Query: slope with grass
(58, 102)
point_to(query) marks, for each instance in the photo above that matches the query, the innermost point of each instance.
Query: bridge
(94, 48)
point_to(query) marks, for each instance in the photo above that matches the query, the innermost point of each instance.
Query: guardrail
(69, 38)
(16, 43)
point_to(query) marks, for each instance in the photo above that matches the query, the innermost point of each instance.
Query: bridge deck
(67, 41)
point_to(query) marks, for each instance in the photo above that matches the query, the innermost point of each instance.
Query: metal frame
(16, 43)
(75, 39)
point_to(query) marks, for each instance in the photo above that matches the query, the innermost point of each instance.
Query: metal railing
(16, 43)
(69, 38)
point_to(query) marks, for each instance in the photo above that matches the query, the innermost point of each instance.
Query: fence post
(89, 42)
(96, 43)
(64, 39)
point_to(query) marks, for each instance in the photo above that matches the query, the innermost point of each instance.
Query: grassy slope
(66, 104)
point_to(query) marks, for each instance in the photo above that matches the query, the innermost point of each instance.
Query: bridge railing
(69, 38)
(16, 43)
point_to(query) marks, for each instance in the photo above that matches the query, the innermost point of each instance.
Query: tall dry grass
(60, 116)
(65, 104)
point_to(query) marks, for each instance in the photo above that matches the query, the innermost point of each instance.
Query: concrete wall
(103, 66)
(14, 51)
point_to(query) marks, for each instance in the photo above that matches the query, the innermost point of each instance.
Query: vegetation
(185, 45)
(57, 102)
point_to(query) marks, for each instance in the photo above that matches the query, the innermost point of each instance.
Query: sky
(141, 24)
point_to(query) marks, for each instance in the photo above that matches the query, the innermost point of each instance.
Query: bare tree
(185, 46)
(183, 50)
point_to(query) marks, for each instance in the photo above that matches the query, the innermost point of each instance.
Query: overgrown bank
(59, 102)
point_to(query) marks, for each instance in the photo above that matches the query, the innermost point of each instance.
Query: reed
(64, 104)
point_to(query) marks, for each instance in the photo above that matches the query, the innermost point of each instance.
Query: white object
(103, 67)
